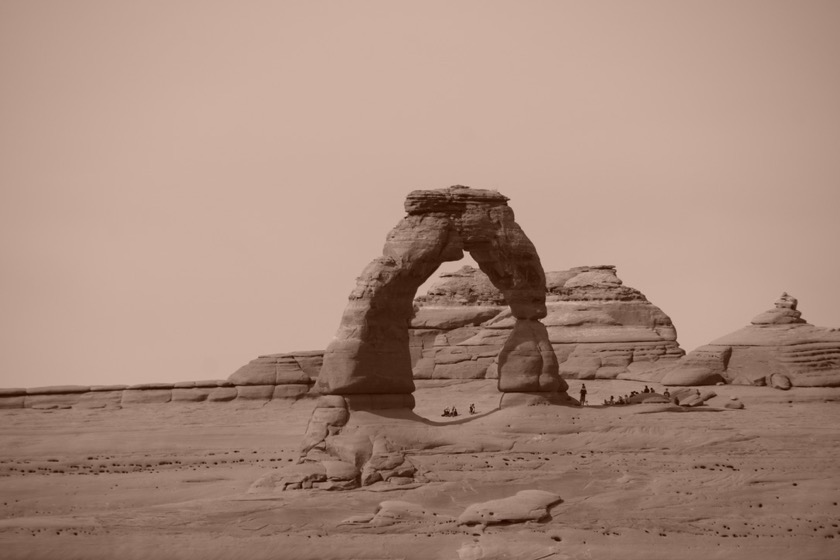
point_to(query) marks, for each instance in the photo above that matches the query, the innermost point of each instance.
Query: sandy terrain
(642, 481)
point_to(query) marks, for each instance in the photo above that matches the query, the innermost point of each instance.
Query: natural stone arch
(369, 357)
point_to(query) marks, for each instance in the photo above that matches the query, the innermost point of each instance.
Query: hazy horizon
(187, 185)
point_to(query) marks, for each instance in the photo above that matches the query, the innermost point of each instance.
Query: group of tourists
(625, 399)
(622, 399)
(452, 411)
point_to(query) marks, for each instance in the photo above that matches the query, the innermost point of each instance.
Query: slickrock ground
(640, 481)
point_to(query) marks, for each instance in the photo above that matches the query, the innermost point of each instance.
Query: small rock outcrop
(526, 505)
(596, 327)
(779, 348)
(289, 375)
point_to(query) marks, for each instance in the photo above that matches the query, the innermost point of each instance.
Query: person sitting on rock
(446, 412)
(646, 390)
(612, 399)
(620, 399)
(454, 411)
(666, 394)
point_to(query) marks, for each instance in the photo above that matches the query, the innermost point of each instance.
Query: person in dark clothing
(583, 394)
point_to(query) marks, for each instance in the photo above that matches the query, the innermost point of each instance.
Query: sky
(186, 185)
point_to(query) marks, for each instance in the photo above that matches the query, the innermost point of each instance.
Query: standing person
(583, 394)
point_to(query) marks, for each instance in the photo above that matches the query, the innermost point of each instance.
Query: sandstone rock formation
(278, 376)
(249, 383)
(368, 365)
(596, 327)
(370, 353)
(778, 348)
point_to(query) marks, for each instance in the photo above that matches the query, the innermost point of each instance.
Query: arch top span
(370, 353)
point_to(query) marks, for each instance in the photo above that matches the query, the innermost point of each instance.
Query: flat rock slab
(527, 505)
(391, 512)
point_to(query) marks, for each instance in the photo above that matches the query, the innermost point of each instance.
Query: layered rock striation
(275, 377)
(778, 348)
(596, 327)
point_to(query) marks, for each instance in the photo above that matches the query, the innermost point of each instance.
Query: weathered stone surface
(100, 399)
(648, 398)
(254, 392)
(449, 318)
(371, 353)
(146, 396)
(703, 366)
(392, 512)
(184, 385)
(596, 327)
(779, 381)
(526, 505)
(108, 387)
(291, 477)
(509, 400)
(59, 399)
(330, 413)
(379, 401)
(222, 394)
(310, 362)
(147, 386)
(697, 398)
(690, 376)
(527, 361)
(12, 392)
(190, 394)
(273, 369)
(58, 390)
(339, 470)
(778, 344)
(7, 402)
(210, 383)
(290, 391)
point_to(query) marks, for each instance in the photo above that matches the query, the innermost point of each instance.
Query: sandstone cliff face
(596, 326)
(778, 348)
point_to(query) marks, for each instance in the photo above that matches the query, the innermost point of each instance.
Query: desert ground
(638, 481)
